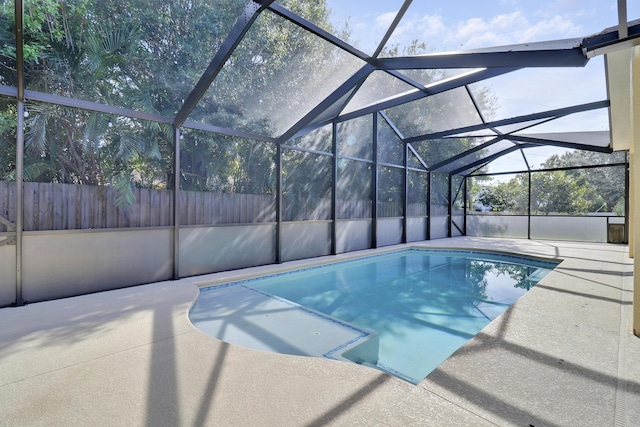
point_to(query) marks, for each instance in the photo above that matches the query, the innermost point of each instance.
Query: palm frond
(36, 134)
(104, 46)
(124, 193)
(93, 131)
(32, 171)
(153, 151)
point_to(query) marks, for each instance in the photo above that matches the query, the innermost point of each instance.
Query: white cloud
(476, 32)
(556, 26)
(430, 29)
(384, 20)
(431, 25)
(518, 26)
(427, 25)
(360, 26)
(512, 28)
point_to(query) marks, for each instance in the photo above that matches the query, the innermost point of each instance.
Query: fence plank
(200, 218)
(4, 202)
(54, 206)
(111, 210)
(167, 205)
(7, 202)
(134, 209)
(154, 208)
(123, 217)
(98, 213)
(30, 206)
(58, 207)
(144, 210)
(45, 206)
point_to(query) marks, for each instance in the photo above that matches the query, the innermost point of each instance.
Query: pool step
(244, 316)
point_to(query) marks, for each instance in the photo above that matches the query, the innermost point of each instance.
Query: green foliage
(306, 198)
(620, 207)
(217, 163)
(509, 197)
(7, 140)
(574, 191)
(558, 192)
(604, 185)
(148, 55)
(124, 192)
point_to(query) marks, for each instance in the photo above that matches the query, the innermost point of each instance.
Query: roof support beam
(485, 160)
(516, 147)
(358, 78)
(556, 143)
(392, 27)
(237, 33)
(226, 131)
(559, 53)
(561, 112)
(94, 106)
(432, 89)
(467, 152)
(613, 39)
(330, 38)
(392, 125)
(317, 31)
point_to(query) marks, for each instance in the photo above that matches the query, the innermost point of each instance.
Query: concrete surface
(563, 355)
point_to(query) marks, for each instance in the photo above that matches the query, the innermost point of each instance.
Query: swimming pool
(404, 312)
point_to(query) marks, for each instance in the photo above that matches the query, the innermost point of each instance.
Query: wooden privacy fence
(203, 208)
(49, 206)
(320, 209)
(7, 202)
(312, 209)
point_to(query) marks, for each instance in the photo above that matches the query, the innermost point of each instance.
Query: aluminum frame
(493, 61)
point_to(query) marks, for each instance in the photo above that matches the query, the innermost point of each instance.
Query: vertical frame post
(19, 12)
(278, 247)
(19, 200)
(176, 203)
(334, 190)
(428, 236)
(405, 199)
(464, 223)
(529, 208)
(374, 189)
(449, 205)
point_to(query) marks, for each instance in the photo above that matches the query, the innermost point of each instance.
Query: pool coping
(131, 357)
(361, 348)
(222, 278)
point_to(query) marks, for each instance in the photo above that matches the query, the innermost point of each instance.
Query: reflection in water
(423, 304)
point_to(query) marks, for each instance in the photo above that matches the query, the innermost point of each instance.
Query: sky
(466, 24)
(462, 24)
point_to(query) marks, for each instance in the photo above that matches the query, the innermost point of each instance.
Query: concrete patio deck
(563, 355)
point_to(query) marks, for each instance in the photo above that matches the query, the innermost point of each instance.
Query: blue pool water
(423, 304)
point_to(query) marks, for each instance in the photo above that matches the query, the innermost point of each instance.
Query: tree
(148, 55)
(573, 191)
(506, 196)
(605, 184)
(558, 192)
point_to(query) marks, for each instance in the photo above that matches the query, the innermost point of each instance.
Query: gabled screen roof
(455, 75)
